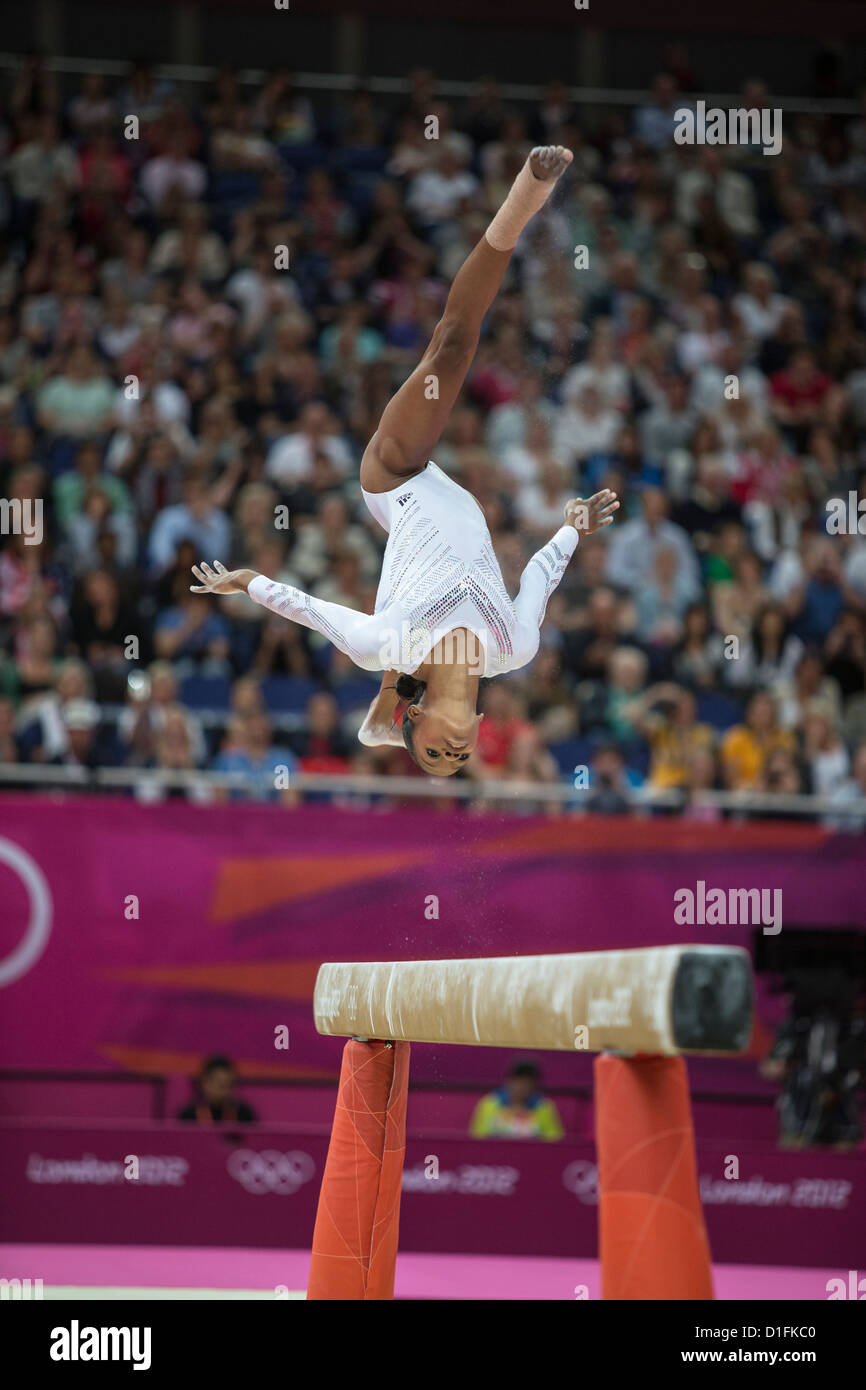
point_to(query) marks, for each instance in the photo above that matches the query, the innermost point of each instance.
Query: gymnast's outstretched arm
(357, 635)
(549, 564)
(416, 416)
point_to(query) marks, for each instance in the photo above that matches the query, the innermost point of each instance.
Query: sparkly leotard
(439, 573)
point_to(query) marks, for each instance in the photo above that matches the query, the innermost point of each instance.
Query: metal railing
(505, 792)
(195, 74)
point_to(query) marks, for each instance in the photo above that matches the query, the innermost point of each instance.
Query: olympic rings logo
(270, 1171)
(581, 1180)
(28, 951)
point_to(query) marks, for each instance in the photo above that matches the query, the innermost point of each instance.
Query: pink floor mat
(418, 1276)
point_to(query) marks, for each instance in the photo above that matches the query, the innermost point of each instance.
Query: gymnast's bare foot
(547, 162)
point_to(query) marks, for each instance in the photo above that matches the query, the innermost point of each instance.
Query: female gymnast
(443, 617)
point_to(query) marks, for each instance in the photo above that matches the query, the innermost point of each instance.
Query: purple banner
(143, 937)
(200, 1187)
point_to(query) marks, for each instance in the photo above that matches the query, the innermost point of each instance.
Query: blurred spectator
(195, 519)
(192, 634)
(654, 122)
(758, 307)
(738, 602)
(501, 728)
(670, 424)
(437, 193)
(173, 175)
(42, 165)
(9, 749)
(781, 775)
(79, 721)
(663, 601)
(701, 776)
(698, 657)
(175, 757)
(323, 747)
(668, 718)
(248, 749)
(818, 1056)
(518, 1109)
(78, 401)
(798, 391)
(215, 1100)
(823, 750)
(799, 691)
(291, 458)
(771, 653)
(587, 424)
(627, 669)
(633, 549)
(851, 793)
(610, 792)
(152, 698)
(746, 747)
(102, 624)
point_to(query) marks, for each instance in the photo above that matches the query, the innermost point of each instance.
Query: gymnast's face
(442, 744)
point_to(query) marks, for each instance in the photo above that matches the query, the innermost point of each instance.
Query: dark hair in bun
(408, 688)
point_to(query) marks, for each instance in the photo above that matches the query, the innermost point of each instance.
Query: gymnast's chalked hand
(218, 580)
(593, 513)
(547, 162)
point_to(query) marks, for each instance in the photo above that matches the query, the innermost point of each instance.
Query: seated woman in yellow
(746, 747)
(666, 715)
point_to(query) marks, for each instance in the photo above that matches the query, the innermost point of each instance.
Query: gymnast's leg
(411, 422)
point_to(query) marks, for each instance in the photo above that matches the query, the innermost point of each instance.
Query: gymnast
(443, 616)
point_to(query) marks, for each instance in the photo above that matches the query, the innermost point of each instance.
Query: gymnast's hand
(379, 729)
(219, 580)
(592, 514)
(547, 162)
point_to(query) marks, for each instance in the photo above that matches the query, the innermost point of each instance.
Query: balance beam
(665, 1000)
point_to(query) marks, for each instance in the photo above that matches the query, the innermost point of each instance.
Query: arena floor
(155, 1272)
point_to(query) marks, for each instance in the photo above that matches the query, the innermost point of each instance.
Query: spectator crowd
(206, 299)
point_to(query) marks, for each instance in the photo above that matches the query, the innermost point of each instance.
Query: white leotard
(439, 573)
